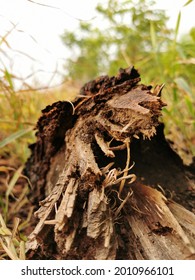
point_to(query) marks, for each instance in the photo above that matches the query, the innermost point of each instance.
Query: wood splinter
(79, 169)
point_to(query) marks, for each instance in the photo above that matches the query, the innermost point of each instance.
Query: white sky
(38, 31)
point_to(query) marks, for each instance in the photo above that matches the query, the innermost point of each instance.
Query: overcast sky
(38, 29)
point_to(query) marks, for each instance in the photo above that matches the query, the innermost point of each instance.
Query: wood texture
(99, 169)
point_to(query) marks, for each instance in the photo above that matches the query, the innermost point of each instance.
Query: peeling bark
(98, 168)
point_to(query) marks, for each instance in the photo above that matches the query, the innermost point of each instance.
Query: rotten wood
(104, 177)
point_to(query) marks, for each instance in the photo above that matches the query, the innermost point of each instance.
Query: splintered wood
(98, 170)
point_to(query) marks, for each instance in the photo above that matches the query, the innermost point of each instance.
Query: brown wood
(106, 178)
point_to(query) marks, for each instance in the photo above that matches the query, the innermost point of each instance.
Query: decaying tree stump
(102, 170)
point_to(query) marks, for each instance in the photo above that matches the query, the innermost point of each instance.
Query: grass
(11, 242)
(13, 199)
(175, 68)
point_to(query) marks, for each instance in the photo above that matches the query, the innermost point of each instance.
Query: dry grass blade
(15, 228)
(6, 240)
(13, 181)
(21, 201)
(8, 251)
(4, 38)
(3, 229)
(22, 251)
(13, 247)
(25, 223)
(57, 8)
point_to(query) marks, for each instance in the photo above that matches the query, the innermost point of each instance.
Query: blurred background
(48, 49)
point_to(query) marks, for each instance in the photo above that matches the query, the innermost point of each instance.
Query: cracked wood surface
(94, 170)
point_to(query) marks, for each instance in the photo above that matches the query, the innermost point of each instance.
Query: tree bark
(105, 179)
